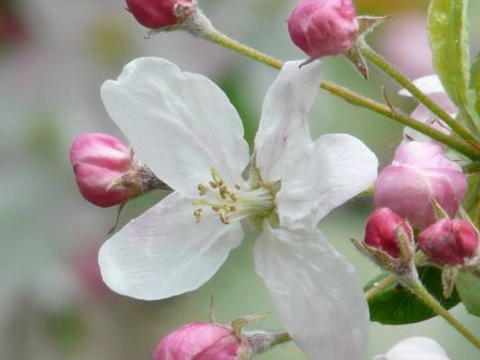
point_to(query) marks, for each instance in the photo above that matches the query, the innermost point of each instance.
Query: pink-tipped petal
(316, 292)
(415, 348)
(334, 170)
(164, 252)
(283, 131)
(179, 124)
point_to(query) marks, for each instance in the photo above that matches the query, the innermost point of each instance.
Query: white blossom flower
(415, 348)
(431, 86)
(184, 127)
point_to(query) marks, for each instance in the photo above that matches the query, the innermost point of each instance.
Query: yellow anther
(232, 203)
(223, 192)
(198, 215)
(224, 217)
(202, 189)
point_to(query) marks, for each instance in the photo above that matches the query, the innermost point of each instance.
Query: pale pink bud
(431, 86)
(323, 27)
(449, 242)
(419, 175)
(200, 341)
(105, 169)
(155, 14)
(381, 231)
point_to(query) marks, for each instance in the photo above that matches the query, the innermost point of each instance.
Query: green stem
(227, 42)
(402, 80)
(280, 338)
(348, 95)
(380, 286)
(419, 290)
(356, 99)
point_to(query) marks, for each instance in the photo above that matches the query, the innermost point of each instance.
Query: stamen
(233, 203)
(202, 189)
(224, 217)
(198, 215)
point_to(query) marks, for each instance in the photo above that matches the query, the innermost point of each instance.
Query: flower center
(233, 203)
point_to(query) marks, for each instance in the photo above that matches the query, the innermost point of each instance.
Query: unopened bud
(209, 341)
(107, 172)
(449, 242)
(200, 341)
(323, 27)
(382, 231)
(155, 14)
(419, 179)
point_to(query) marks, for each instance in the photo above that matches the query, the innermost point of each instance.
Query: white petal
(422, 114)
(415, 348)
(338, 167)
(180, 124)
(283, 129)
(165, 253)
(429, 84)
(316, 292)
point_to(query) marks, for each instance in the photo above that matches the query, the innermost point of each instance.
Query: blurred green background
(54, 55)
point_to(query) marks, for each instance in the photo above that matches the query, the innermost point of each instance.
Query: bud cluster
(421, 189)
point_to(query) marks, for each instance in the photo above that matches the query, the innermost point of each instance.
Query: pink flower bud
(449, 242)
(100, 161)
(155, 14)
(419, 175)
(323, 27)
(200, 341)
(381, 231)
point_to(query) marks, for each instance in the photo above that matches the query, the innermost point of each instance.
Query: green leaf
(448, 33)
(475, 73)
(395, 305)
(468, 287)
(475, 83)
(471, 202)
